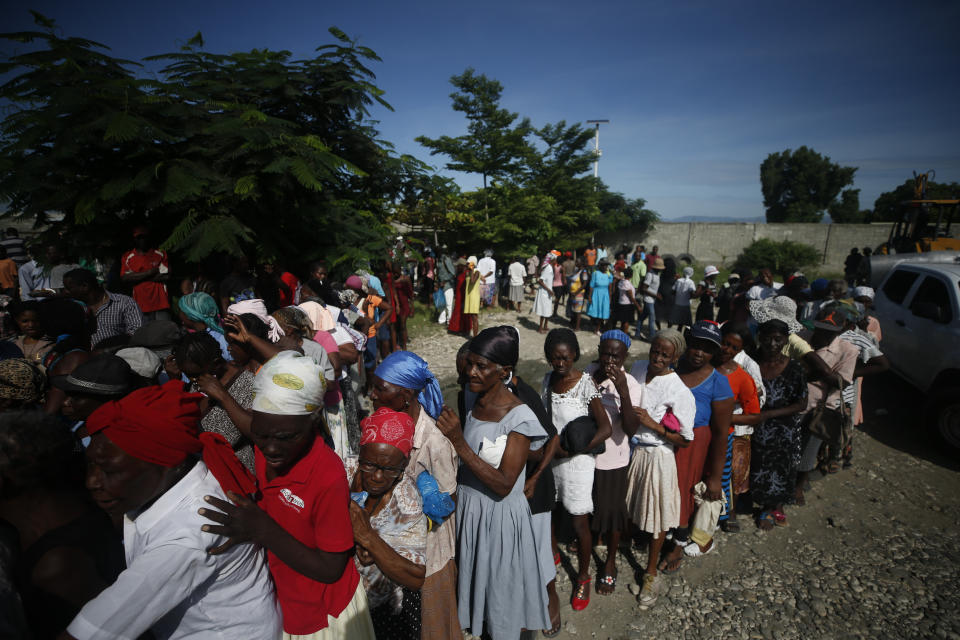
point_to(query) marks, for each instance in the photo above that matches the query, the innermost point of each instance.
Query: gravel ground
(873, 554)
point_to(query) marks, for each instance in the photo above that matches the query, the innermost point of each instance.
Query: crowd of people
(262, 457)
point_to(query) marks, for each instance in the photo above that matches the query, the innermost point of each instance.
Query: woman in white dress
(568, 394)
(543, 303)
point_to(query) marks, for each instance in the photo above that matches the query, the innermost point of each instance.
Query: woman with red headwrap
(142, 464)
(388, 524)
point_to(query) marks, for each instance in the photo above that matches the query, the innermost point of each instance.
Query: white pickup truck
(918, 306)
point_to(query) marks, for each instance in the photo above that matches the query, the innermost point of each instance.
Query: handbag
(827, 424)
(577, 433)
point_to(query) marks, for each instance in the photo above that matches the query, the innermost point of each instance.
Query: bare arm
(372, 548)
(236, 331)
(385, 310)
(348, 353)
(647, 421)
(875, 365)
(240, 417)
(721, 412)
(134, 277)
(244, 521)
(500, 479)
(545, 456)
(604, 430)
(630, 422)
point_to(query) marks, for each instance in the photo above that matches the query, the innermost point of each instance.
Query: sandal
(830, 467)
(554, 630)
(607, 584)
(581, 597)
(668, 565)
(556, 559)
(730, 525)
(779, 518)
(766, 521)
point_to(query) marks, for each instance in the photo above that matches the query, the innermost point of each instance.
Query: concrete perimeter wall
(722, 242)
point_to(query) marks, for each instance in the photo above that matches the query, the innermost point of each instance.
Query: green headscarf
(201, 307)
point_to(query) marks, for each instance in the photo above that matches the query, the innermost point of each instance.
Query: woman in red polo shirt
(303, 517)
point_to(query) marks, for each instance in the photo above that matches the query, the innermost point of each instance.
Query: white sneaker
(653, 587)
(693, 549)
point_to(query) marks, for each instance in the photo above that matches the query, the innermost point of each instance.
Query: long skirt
(402, 625)
(609, 500)
(653, 497)
(542, 304)
(690, 461)
(457, 323)
(740, 465)
(438, 605)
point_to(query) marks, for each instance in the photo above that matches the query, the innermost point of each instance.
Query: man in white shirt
(517, 273)
(487, 267)
(142, 465)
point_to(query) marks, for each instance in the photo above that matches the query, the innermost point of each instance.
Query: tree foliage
(493, 146)
(541, 193)
(783, 257)
(217, 152)
(888, 207)
(799, 186)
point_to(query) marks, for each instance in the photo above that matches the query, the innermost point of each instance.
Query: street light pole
(596, 145)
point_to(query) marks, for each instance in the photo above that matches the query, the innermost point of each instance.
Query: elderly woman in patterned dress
(389, 526)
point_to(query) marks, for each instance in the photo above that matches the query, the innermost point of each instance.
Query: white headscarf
(259, 309)
(289, 384)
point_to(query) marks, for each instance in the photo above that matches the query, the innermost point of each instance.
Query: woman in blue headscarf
(199, 312)
(404, 382)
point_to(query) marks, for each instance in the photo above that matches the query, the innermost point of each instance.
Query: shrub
(783, 257)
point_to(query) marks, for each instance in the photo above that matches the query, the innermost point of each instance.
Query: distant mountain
(714, 219)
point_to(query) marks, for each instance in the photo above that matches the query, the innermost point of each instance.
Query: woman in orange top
(747, 403)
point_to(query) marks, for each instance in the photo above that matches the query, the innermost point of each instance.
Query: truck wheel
(946, 416)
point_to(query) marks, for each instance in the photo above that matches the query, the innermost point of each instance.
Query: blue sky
(698, 93)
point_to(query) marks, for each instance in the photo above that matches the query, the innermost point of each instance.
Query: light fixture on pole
(596, 145)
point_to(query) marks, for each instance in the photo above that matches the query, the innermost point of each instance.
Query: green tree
(799, 186)
(218, 152)
(888, 207)
(847, 209)
(618, 212)
(783, 257)
(494, 146)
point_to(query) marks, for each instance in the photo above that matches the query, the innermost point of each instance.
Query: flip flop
(730, 525)
(779, 518)
(607, 581)
(554, 630)
(664, 565)
(766, 518)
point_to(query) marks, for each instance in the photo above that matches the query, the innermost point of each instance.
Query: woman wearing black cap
(500, 584)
